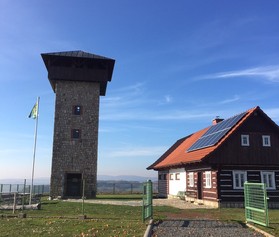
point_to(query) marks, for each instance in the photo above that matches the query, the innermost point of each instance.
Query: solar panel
(215, 133)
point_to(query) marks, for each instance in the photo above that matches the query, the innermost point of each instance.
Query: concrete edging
(259, 230)
(149, 229)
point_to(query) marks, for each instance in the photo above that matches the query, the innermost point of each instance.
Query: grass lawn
(58, 218)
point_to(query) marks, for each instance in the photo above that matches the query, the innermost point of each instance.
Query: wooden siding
(232, 153)
(163, 183)
(209, 194)
(227, 193)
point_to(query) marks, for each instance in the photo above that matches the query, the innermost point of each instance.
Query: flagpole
(34, 150)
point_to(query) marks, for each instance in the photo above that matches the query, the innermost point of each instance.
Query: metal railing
(21, 188)
(103, 187)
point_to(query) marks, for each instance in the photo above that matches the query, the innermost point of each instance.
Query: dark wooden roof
(78, 66)
(77, 53)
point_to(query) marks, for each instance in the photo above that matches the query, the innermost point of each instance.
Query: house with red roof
(210, 166)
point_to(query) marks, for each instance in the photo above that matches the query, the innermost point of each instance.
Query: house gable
(228, 149)
(232, 152)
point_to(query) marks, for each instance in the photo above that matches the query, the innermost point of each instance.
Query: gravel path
(181, 204)
(202, 228)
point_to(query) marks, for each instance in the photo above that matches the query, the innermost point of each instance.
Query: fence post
(131, 188)
(10, 188)
(23, 196)
(1, 188)
(14, 206)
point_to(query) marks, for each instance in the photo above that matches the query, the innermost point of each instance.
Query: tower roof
(78, 66)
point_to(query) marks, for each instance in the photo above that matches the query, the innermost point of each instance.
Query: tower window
(76, 133)
(77, 110)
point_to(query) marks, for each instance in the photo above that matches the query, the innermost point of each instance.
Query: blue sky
(179, 64)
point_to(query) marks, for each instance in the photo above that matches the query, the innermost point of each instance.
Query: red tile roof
(178, 155)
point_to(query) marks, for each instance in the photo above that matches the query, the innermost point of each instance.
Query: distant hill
(46, 180)
(125, 178)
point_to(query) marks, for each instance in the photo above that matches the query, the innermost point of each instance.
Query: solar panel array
(215, 133)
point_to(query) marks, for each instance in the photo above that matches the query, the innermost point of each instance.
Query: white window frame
(243, 137)
(271, 183)
(207, 179)
(264, 137)
(177, 176)
(191, 179)
(239, 173)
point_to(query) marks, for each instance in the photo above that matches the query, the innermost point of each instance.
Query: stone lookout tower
(78, 79)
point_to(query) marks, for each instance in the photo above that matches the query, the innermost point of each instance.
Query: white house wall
(177, 181)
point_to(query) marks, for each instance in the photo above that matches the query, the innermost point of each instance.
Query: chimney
(217, 120)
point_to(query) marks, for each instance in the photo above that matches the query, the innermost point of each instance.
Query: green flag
(34, 112)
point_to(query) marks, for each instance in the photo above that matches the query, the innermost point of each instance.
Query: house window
(76, 133)
(266, 140)
(268, 179)
(208, 179)
(165, 177)
(177, 176)
(171, 176)
(191, 179)
(245, 140)
(77, 109)
(239, 177)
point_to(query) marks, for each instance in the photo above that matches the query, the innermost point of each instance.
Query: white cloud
(227, 101)
(269, 73)
(168, 98)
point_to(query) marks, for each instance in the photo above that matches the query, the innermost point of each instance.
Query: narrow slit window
(76, 133)
(77, 110)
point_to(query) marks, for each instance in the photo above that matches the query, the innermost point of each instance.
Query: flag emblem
(34, 112)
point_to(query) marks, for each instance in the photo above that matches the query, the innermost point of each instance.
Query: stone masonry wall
(75, 155)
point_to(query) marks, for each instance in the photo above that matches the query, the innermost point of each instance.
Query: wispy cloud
(133, 103)
(131, 152)
(231, 100)
(269, 73)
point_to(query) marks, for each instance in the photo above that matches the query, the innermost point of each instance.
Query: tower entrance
(73, 185)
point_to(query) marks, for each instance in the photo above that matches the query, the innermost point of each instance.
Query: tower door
(73, 185)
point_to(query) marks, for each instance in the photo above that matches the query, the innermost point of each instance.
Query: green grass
(59, 218)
